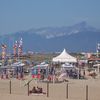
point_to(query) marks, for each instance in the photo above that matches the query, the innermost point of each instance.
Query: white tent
(64, 57)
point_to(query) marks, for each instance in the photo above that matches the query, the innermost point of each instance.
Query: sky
(18, 15)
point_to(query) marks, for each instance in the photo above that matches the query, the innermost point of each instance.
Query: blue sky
(17, 15)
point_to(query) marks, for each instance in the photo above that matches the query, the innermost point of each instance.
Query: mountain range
(80, 37)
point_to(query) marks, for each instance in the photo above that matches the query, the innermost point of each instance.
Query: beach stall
(97, 67)
(66, 63)
(67, 66)
(70, 70)
(18, 69)
(39, 71)
(4, 72)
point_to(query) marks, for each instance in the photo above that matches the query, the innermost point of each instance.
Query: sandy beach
(57, 91)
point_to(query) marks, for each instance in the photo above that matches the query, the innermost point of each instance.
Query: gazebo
(64, 57)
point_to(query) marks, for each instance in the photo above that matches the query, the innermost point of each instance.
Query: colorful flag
(21, 42)
(98, 47)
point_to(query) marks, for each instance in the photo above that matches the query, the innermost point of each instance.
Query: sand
(57, 91)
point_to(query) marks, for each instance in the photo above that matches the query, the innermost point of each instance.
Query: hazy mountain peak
(80, 37)
(53, 32)
(82, 24)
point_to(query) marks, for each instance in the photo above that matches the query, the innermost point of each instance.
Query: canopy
(17, 64)
(43, 65)
(64, 57)
(96, 65)
(67, 65)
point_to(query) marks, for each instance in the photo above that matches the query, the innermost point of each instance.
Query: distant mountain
(76, 38)
(52, 32)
